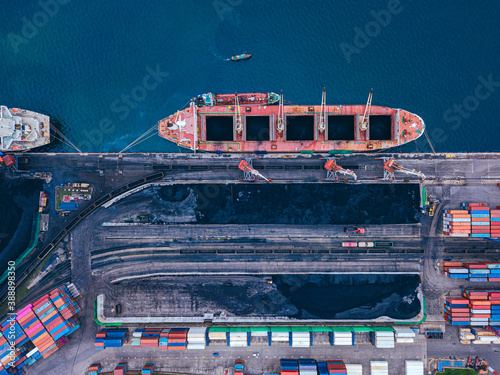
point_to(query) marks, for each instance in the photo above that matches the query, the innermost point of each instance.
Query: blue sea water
(78, 61)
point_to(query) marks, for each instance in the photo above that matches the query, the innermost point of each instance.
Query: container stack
(163, 342)
(20, 340)
(495, 223)
(150, 337)
(343, 338)
(307, 366)
(379, 368)
(136, 337)
(484, 336)
(148, 369)
(238, 339)
(39, 329)
(354, 369)
(300, 339)
(494, 329)
(466, 336)
(280, 337)
(456, 223)
(238, 368)
(336, 367)
(404, 335)
(35, 330)
(111, 338)
(414, 367)
(474, 307)
(479, 272)
(289, 367)
(95, 369)
(472, 220)
(217, 336)
(177, 339)
(382, 339)
(457, 311)
(121, 368)
(323, 369)
(480, 218)
(197, 338)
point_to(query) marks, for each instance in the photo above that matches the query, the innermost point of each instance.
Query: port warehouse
(301, 336)
(37, 330)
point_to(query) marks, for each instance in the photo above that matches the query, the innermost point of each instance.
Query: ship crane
(249, 172)
(321, 122)
(365, 121)
(333, 168)
(280, 125)
(239, 122)
(390, 166)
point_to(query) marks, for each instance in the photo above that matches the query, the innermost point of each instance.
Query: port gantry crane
(321, 122)
(333, 168)
(365, 121)
(249, 172)
(390, 166)
(239, 121)
(280, 125)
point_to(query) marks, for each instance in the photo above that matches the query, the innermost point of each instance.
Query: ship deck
(216, 130)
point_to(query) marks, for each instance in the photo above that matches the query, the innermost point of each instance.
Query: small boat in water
(22, 130)
(243, 56)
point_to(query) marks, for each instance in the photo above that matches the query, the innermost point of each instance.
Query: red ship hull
(301, 131)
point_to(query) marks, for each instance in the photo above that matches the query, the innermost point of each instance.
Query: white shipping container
(479, 323)
(238, 344)
(280, 334)
(458, 270)
(414, 367)
(217, 335)
(384, 334)
(379, 368)
(300, 344)
(282, 339)
(258, 334)
(354, 369)
(405, 340)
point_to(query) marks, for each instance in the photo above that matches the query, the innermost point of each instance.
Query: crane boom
(321, 122)
(280, 126)
(365, 121)
(239, 122)
(249, 172)
(390, 167)
(333, 168)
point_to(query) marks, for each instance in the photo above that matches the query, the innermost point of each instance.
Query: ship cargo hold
(251, 123)
(22, 130)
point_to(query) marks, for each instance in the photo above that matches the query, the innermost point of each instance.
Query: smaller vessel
(209, 99)
(243, 56)
(22, 130)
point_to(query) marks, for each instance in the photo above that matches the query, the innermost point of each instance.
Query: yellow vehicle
(431, 209)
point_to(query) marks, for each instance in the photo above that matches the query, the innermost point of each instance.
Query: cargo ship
(22, 130)
(260, 122)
